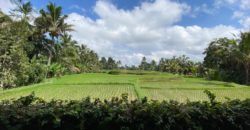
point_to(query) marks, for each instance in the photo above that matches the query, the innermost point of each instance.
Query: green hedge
(32, 113)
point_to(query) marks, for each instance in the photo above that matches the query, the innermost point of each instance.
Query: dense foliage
(175, 65)
(109, 64)
(33, 50)
(229, 59)
(29, 113)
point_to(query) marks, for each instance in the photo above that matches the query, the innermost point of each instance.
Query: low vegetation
(29, 113)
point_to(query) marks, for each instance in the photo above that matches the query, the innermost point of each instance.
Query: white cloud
(77, 7)
(157, 14)
(204, 8)
(219, 3)
(148, 30)
(238, 14)
(242, 4)
(6, 6)
(240, 10)
(245, 22)
(245, 4)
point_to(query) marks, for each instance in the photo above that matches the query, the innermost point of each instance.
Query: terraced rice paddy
(154, 86)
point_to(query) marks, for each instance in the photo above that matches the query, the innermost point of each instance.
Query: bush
(56, 70)
(115, 72)
(134, 72)
(37, 72)
(29, 113)
(214, 75)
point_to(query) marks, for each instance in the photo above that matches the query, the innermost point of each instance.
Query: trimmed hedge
(32, 113)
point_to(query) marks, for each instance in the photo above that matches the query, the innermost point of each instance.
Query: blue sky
(222, 15)
(130, 29)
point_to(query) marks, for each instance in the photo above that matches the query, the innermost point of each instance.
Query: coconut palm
(52, 23)
(24, 8)
(68, 51)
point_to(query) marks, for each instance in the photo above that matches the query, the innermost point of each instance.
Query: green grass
(156, 86)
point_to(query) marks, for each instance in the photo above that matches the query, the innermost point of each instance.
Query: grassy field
(155, 86)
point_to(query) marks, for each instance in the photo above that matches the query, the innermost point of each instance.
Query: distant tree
(161, 66)
(88, 60)
(144, 64)
(118, 63)
(103, 63)
(153, 65)
(177, 65)
(111, 64)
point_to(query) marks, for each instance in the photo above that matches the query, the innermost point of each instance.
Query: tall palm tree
(25, 8)
(52, 22)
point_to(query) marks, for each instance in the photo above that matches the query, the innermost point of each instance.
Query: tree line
(176, 65)
(43, 48)
(225, 59)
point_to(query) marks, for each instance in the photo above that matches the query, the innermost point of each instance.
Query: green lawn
(105, 86)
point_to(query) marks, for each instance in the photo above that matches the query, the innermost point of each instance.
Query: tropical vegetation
(30, 112)
(34, 50)
(229, 59)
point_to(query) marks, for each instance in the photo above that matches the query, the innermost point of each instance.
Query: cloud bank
(149, 30)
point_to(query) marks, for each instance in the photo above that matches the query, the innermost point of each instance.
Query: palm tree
(24, 8)
(68, 52)
(52, 22)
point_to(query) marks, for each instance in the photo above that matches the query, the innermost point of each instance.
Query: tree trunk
(247, 74)
(49, 59)
(48, 64)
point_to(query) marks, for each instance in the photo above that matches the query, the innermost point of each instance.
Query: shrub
(30, 112)
(37, 72)
(134, 72)
(56, 70)
(115, 72)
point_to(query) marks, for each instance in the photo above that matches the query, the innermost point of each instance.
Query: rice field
(160, 86)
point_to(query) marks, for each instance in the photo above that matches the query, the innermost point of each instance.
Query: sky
(127, 30)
